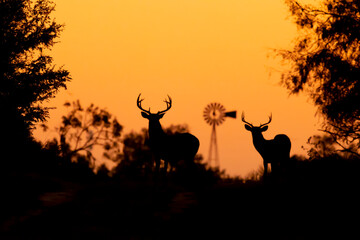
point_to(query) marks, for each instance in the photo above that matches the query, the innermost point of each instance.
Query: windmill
(214, 115)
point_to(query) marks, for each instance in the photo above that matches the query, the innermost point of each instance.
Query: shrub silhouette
(82, 130)
(324, 63)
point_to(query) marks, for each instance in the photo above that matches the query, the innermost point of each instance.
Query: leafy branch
(82, 130)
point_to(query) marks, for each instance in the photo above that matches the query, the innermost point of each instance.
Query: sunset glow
(196, 51)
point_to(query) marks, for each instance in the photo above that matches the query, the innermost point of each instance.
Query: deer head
(153, 116)
(255, 129)
(155, 128)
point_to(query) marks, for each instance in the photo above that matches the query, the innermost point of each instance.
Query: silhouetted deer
(275, 151)
(173, 149)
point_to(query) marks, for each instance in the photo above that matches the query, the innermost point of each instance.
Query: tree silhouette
(321, 147)
(28, 75)
(82, 130)
(325, 62)
(326, 147)
(136, 159)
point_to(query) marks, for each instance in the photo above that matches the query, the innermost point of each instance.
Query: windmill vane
(214, 114)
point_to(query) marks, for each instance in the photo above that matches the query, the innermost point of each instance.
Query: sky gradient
(196, 51)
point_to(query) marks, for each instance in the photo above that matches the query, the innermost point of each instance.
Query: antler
(261, 125)
(270, 118)
(138, 103)
(243, 119)
(168, 105)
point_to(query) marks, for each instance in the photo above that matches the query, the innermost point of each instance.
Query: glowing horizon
(196, 51)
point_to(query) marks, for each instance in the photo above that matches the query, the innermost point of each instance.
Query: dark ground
(34, 207)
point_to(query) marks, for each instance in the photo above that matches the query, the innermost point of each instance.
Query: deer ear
(248, 127)
(161, 115)
(264, 128)
(145, 115)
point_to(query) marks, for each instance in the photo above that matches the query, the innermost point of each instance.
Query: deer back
(282, 144)
(180, 146)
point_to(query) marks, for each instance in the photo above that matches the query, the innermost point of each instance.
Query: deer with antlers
(275, 152)
(173, 149)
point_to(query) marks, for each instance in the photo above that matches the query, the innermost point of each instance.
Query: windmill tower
(214, 115)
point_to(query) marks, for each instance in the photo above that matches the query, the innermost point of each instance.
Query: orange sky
(198, 52)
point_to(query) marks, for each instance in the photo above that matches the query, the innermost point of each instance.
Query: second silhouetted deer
(173, 149)
(275, 152)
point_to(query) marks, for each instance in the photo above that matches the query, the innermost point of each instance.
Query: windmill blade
(214, 114)
(231, 114)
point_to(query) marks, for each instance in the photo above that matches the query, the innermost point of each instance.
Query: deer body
(175, 149)
(275, 152)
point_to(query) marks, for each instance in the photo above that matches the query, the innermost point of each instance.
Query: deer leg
(265, 169)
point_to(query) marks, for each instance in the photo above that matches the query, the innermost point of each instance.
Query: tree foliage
(136, 158)
(325, 63)
(326, 147)
(28, 76)
(82, 130)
